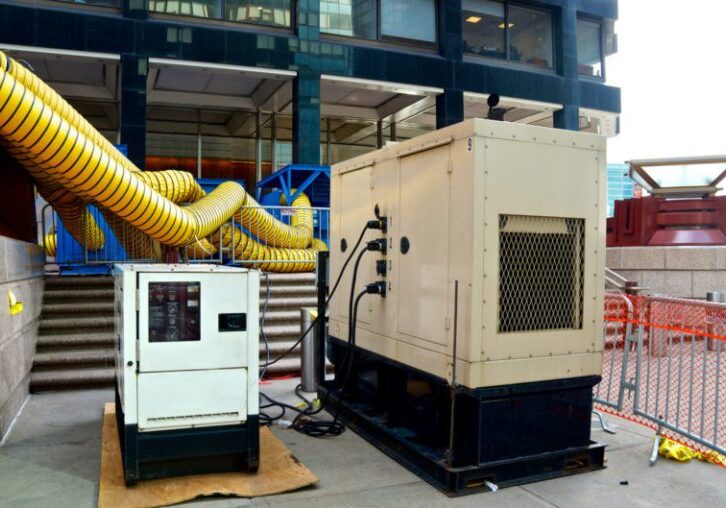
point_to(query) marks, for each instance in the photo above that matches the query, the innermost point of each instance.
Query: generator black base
(166, 453)
(465, 440)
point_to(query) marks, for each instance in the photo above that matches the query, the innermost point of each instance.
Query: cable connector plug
(379, 223)
(377, 288)
(379, 244)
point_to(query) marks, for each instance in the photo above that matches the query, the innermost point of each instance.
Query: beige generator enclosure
(513, 216)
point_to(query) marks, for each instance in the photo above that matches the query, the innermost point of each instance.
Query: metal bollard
(714, 296)
(308, 367)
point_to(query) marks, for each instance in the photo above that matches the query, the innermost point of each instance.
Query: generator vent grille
(541, 270)
(182, 418)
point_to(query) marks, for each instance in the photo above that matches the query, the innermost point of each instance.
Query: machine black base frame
(166, 453)
(508, 435)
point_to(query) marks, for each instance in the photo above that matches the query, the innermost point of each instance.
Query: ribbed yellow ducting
(274, 259)
(75, 165)
(299, 234)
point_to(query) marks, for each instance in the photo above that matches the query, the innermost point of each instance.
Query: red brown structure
(690, 215)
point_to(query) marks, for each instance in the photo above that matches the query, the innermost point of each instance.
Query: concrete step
(292, 302)
(291, 316)
(285, 366)
(281, 331)
(286, 278)
(47, 325)
(87, 308)
(74, 340)
(98, 357)
(293, 290)
(87, 281)
(79, 295)
(277, 347)
(72, 378)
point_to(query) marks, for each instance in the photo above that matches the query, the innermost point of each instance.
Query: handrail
(621, 283)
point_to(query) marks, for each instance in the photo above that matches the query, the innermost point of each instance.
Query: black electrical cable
(265, 418)
(302, 422)
(352, 287)
(327, 300)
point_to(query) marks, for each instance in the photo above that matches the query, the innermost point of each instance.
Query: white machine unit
(187, 368)
(494, 283)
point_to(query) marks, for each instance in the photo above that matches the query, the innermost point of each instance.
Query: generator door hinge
(447, 323)
(138, 300)
(450, 167)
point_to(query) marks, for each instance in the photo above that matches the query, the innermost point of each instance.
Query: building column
(566, 56)
(450, 104)
(567, 118)
(449, 19)
(134, 71)
(449, 108)
(306, 117)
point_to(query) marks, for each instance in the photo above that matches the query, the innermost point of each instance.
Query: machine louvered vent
(181, 418)
(541, 270)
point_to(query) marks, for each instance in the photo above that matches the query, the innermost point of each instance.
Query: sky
(671, 68)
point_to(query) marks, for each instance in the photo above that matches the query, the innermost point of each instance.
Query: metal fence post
(719, 297)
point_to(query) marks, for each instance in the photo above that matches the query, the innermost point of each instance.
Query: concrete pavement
(52, 458)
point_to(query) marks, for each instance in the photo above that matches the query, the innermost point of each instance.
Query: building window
(354, 18)
(511, 32)
(483, 29)
(589, 48)
(413, 20)
(103, 3)
(530, 36)
(198, 8)
(262, 12)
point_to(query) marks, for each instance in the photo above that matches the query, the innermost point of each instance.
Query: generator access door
(192, 321)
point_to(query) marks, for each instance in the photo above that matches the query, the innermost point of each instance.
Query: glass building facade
(245, 86)
(620, 186)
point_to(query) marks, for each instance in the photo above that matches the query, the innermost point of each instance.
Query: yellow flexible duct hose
(280, 259)
(303, 217)
(49, 244)
(177, 186)
(84, 168)
(77, 165)
(137, 245)
(261, 224)
(59, 105)
(76, 218)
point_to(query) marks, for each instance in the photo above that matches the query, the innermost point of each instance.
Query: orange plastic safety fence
(672, 352)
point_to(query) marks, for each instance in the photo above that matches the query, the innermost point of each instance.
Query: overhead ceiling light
(509, 25)
(473, 19)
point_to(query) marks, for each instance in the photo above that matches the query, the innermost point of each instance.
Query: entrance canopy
(88, 81)
(681, 176)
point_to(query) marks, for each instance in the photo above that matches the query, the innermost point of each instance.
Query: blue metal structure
(209, 184)
(72, 258)
(294, 179)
